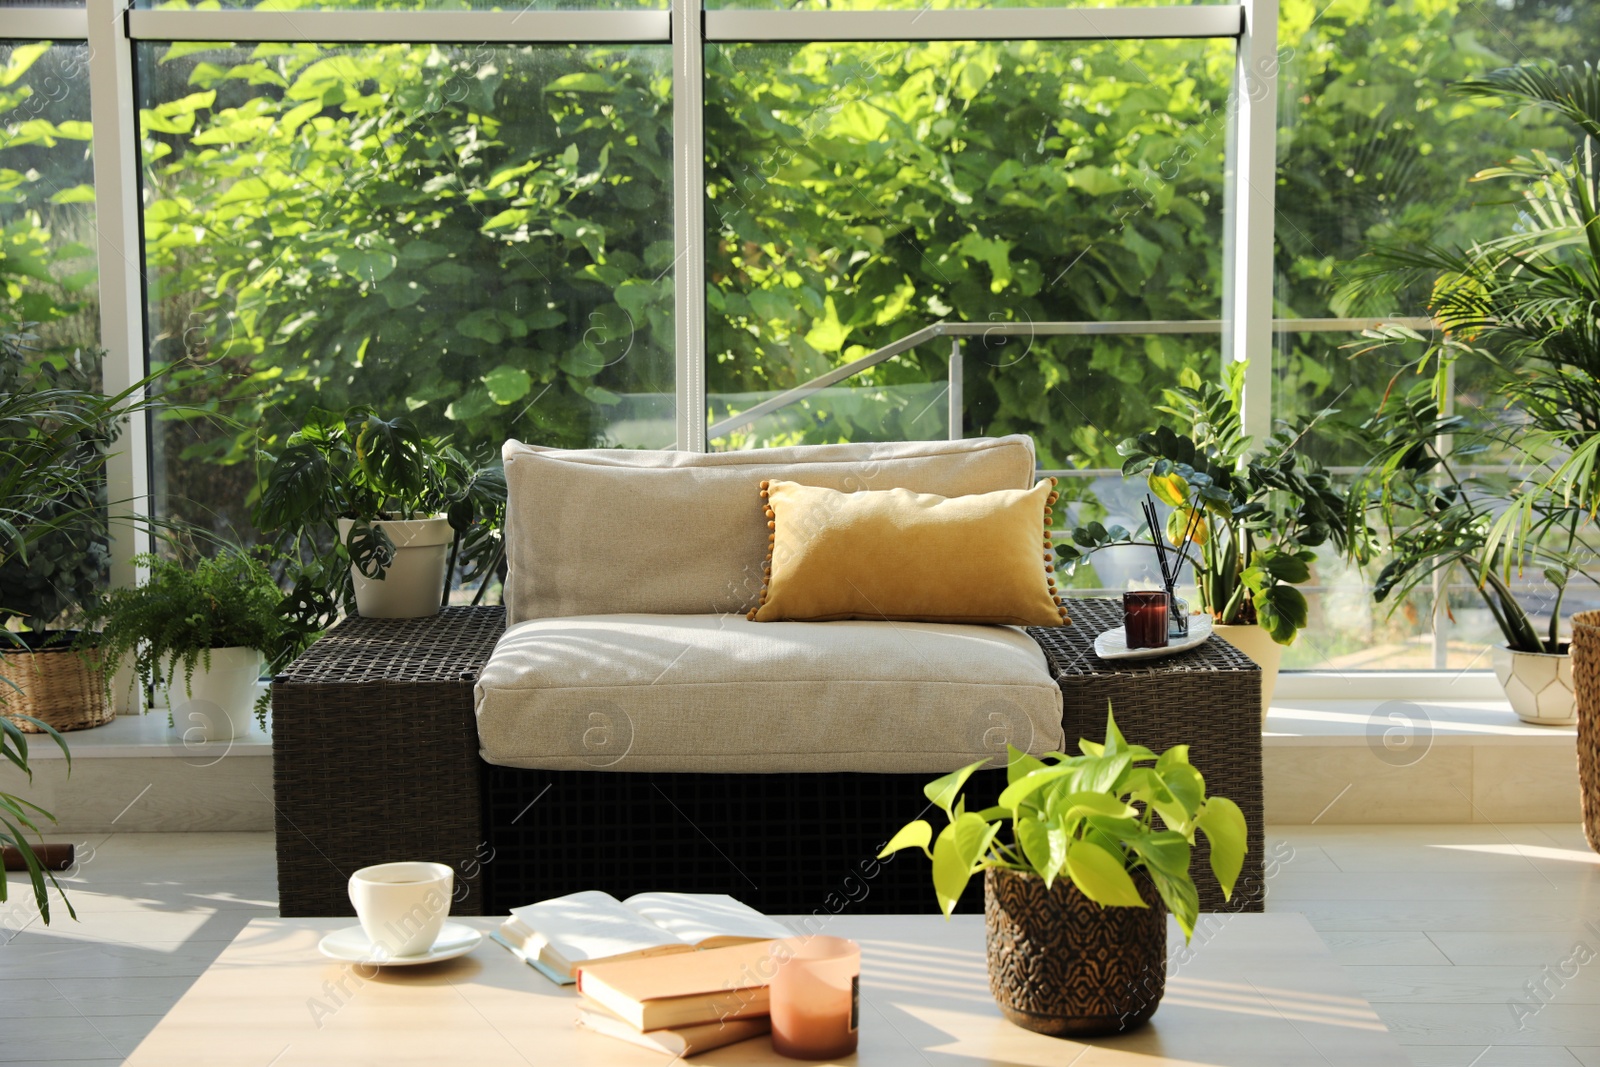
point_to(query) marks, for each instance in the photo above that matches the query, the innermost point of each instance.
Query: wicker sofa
(624, 727)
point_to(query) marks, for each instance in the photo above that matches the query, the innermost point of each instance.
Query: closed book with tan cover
(682, 989)
(680, 1040)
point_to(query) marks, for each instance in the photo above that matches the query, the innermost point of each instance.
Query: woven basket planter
(59, 685)
(1062, 965)
(1586, 684)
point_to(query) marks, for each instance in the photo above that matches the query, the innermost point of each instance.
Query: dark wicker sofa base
(376, 759)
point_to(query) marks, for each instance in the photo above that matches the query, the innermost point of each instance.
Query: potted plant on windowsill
(55, 430)
(209, 625)
(1075, 901)
(378, 515)
(1521, 307)
(1256, 514)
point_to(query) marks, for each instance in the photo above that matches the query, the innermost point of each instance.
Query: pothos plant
(356, 465)
(1255, 513)
(1100, 818)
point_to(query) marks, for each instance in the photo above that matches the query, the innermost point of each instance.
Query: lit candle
(816, 998)
(1144, 618)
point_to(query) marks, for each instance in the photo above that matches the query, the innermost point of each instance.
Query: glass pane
(479, 237)
(858, 192)
(922, 5)
(407, 5)
(1373, 146)
(48, 272)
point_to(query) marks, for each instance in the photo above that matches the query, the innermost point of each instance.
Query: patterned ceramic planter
(1062, 965)
(1538, 685)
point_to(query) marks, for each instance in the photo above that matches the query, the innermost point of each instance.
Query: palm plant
(1524, 303)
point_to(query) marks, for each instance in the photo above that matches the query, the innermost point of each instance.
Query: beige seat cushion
(722, 693)
(613, 531)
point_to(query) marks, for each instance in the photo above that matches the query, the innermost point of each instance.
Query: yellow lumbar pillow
(909, 557)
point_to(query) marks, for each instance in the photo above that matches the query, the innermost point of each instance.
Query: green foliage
(1258, 514)
(183, 610)
(1521, 306)
(356, 465)
(1091, 817)
(63, 562)
(18, 817)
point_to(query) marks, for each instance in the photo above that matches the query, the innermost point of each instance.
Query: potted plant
(56, 432)
(1254, 515)
(1435, 513)
(1075, 900)
(1521, 308)
(377, 512)
(213, 623)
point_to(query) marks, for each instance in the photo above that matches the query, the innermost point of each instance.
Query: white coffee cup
(402, 905)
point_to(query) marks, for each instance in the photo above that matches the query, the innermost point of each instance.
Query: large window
(478, 237)
(618, 223)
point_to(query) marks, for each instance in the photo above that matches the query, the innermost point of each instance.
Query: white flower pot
(219, 701)
(1538, 684)
(413, 586)
(1256, 643)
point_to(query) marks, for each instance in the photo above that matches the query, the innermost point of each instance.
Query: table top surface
(1250, 989)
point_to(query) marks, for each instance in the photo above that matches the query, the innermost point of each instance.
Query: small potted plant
(1075, 901)
(211, 625)
(1253, 516)
(378, 513)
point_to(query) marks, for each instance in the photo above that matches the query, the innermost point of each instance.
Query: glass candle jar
(816, 997)
(1144, 618)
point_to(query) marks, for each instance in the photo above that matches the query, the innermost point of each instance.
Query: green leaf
(1186, 786)
(1171, 489)
(951, 867)
(1224, 827)
(1166, 851)
(1102, 877)
(1019, 764)
(1018, 792)
(941, 792)
(1180, 896)
(507, 384)
(912, 835)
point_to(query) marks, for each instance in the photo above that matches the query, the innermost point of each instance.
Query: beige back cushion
(612, 531)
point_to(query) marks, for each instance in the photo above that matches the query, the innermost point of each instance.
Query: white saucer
(352, 946)
(1113, 644)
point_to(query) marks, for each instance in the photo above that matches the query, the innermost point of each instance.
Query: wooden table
(1252, 989)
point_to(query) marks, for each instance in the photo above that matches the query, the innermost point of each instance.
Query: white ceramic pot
(1538, 684)
(218, 701)
(413, 586)
(1256, 643)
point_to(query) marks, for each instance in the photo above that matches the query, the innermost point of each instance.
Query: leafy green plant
(1256, 513)
(1436, 514)
(1100, 818)
(19, 817)
(355, 465)
(1522, 307)
(67, 561)
(171, 622)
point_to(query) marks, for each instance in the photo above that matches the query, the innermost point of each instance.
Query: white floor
(1478, 945)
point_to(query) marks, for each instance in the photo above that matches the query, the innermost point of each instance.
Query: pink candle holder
(816, 997)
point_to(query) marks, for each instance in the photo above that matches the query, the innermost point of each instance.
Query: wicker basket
(60, 686)
(1586, 683)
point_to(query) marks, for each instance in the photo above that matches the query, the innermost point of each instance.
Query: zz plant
(1099, 818)
(1256, 513)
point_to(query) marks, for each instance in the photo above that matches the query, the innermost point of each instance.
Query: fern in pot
(1077, 890)
(200, 633)
(378, 515)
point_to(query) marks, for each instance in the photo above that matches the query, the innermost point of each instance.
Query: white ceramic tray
(1113, 644)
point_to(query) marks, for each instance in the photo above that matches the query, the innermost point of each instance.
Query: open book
(559, 934)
